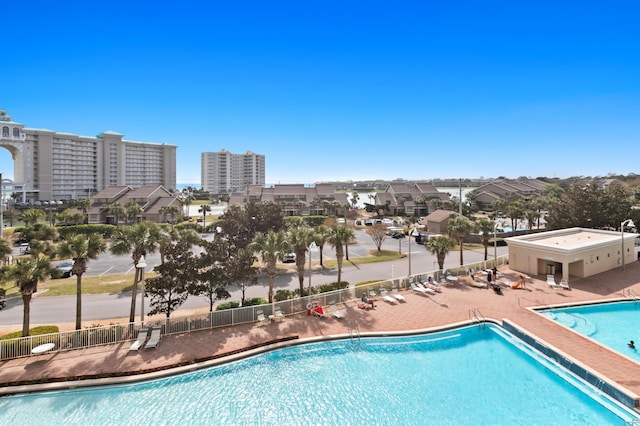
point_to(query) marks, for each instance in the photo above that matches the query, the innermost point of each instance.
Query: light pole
(412, 234)
(495, 245)
(141, 265)
(630, 224)
(312, 247)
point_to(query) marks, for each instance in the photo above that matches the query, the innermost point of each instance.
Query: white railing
(119, 333)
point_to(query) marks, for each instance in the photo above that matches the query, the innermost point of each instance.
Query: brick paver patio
(419, 312)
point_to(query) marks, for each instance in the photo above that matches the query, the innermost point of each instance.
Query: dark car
(64, 269)
(397, 235)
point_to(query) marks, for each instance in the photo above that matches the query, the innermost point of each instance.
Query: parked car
(25, 248)
(64, 269)
(289, 258)
(368, 222)
(398, 235)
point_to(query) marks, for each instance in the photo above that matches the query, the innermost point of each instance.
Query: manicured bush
(254, 301)
(227, 305)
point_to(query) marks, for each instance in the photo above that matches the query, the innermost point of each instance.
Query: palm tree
(459, 226)
(271, 247)
(116, 210)
(204, 209)
(486, 227)
(172, 211)
(139, 240)
(27, 272)
(30, 216)
(81, 248)
(321, 236)
(340, 236)
(440, 247)
(84, 204)
(132, 210)
(298, 239)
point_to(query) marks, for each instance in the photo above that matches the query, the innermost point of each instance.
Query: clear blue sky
(338, 90)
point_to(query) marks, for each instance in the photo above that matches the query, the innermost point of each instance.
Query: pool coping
(593, 377)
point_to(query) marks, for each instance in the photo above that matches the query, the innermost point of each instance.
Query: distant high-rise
(51, 165)
(224, 172)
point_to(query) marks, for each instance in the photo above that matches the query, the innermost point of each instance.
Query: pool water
(468, 376)
(611, 324)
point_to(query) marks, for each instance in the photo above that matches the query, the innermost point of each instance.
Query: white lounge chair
(564, 284)
(552, 283)
(387, 298)
(140, 341)
(426, 287)
(277, 313)
(260, 316)
(335, 311)
(397, 295)
(154, 340)
(420, 290)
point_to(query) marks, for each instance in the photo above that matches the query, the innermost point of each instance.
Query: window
(16, 132)
(5, 132)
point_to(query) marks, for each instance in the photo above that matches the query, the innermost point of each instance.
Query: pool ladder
(476, 315)
(354, 334)
(633, 295)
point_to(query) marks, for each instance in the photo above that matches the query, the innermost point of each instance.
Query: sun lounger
(564, 284)
(427, 288)
(260, 316)
(420, 290)
(387, 298)
(552, 283)
(335, 311)
(140, 341)
(154, 340)
(397, 295)
(277, 313)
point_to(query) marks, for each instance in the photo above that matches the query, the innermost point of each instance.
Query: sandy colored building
(571, 253)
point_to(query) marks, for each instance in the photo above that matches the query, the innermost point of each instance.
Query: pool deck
(451, 306)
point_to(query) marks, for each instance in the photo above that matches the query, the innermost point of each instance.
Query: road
(61, 309)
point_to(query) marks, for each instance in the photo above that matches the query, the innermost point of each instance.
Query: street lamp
(141, 265)
(630, 224)
(312, 248)
(412, 233)
(495, 245)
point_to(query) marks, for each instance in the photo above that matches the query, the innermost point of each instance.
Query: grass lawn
(90, 285)
(376, 256)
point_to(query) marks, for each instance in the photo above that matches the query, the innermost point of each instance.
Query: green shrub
(35, 331)
(227, 305)
(254, 301)
(283, 295)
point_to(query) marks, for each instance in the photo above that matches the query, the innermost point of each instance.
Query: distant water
(181, 186)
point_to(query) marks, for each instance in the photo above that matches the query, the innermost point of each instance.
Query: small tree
(168, 291)
(459, 227)
(241, 272)
(378, 234)
(212, 275)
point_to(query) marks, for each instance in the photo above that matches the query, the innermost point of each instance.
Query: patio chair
(551, 281)
(260, 316)
(564, 284)
(154, 340)
(335, 311)
(397, 295)
(140, 341)
(278, 314)
(387, 298)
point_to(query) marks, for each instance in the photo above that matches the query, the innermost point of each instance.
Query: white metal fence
(118, 333)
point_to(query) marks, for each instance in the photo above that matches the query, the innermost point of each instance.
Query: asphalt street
(61, 309)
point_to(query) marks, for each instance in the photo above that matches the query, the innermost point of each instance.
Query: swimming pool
(612, 324)
(473, 375)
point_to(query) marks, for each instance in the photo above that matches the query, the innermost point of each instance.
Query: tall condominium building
(224, 172)
(51, 165)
